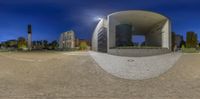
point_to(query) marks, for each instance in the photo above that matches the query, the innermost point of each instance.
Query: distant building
(67, 40)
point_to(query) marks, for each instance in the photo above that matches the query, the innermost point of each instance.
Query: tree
(83, 45)
(173, 39)
(34, 43)
(191, 40)
(21, 43)
(183, 46)
(3, 44)
(12, 43)
(45, 43)
(183, 43)
(143, 43)
(54, 44)
(7, 44)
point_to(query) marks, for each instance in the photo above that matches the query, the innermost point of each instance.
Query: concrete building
(117, 31)
(29, 37)
(67, 40)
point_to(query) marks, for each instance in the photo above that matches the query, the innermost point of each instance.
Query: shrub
(182, 46)
(83, 46)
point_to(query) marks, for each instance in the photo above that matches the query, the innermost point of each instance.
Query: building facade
(119, 29)
(67, 40)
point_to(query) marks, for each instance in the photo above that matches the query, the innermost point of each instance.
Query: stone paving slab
(62, 76)
(135, 68)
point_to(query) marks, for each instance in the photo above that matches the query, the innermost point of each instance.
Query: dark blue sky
(49, 18)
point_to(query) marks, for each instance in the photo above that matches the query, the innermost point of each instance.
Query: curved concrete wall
(155, 27)
(166, 35)
(101, 24)
(143, 21)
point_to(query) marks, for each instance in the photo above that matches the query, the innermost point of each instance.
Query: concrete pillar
(29, 37)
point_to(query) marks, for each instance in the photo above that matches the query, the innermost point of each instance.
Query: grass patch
(189, 50)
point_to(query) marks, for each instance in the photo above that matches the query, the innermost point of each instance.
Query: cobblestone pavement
(57, 75)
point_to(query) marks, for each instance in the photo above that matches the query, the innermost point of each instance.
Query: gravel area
(135, 68)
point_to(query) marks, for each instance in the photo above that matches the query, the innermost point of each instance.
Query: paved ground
(135, 68)
(46, 75)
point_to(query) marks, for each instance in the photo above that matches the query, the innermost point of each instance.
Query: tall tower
(29, 37)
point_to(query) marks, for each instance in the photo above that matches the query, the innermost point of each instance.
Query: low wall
(138, 52)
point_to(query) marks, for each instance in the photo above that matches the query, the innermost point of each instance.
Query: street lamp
(98, 18)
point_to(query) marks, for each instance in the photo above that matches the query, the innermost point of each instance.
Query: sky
(49, 18)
